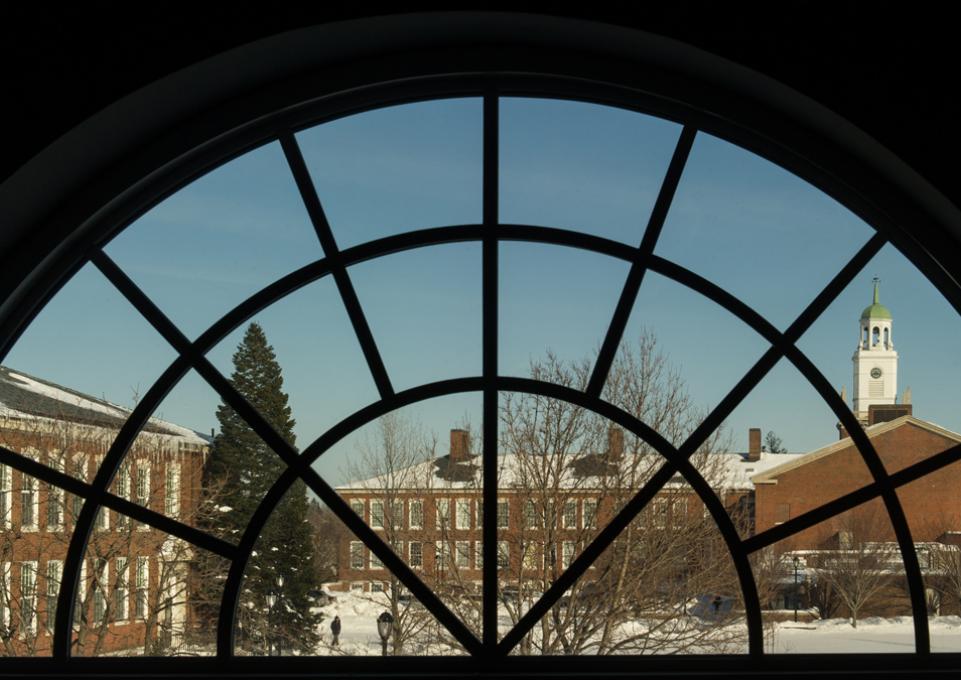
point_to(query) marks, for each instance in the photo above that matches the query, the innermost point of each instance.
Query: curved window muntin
(883, 486)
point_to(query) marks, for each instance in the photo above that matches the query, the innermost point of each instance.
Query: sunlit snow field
(873, 635)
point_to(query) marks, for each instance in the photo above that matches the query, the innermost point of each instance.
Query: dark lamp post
(271, 601)
(384, 624)
(796, 561)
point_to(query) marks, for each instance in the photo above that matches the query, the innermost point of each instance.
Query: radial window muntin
(489, 383)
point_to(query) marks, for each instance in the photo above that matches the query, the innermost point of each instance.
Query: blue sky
(738, 220)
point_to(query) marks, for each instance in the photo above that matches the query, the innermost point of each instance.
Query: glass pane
(421, 491)
(298, 596)
(398, 168)
(843, 579)
(756, 230)
(582, 166)
(29, 547)
(908, 370)
(680, 355)
(146, 594)
(425, 298)
(218, 240)
(554, 300)
(73, 375)
(167, 468)
(781, 445)
(324, 372)
(564, 474)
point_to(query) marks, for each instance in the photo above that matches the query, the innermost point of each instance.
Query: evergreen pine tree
(239, 472)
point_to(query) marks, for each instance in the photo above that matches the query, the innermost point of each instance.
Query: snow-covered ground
(872, 635)
(358, 615)
(358, 635)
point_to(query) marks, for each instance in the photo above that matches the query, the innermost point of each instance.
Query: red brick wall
(930, 504)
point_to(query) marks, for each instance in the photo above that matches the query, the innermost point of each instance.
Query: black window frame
(553, 70)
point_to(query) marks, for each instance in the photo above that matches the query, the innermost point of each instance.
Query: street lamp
(384, 624)
(280, 599)
(271, 601)
(796, 561)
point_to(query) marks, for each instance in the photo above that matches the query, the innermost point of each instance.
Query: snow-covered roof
(25, 397)
(731, 471)
(769, 476)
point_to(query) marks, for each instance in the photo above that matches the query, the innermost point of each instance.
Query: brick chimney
(615, 442)
(754, 443)
(459, 446)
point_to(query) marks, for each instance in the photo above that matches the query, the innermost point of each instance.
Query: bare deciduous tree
(635, 598)
(863, 564)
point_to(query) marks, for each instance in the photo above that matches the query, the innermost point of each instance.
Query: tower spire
(877, 283)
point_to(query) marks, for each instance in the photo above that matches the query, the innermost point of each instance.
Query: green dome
(876, 310)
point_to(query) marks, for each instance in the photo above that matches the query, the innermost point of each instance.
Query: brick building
(134, 578)
(800, 485)
(430, 512)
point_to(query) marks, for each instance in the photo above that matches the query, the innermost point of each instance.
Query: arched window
(517, 258)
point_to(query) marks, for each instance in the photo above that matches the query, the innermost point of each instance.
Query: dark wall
(891, 75)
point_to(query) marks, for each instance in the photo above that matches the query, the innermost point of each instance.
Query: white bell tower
(875, 361)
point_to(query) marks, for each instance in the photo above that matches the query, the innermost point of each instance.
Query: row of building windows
(125, 584)
(458, 554)
(28, 497)
(468, 514)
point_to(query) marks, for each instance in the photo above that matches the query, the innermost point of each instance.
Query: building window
(589, 513)
(659, 510)
(79, 470)
(81, 618)
(478, 555)
(567, 553)
(28, 598)
(6, 600)
(531, 519)
(416, 520)
(375, 562)
(358, 507)
(121, 608)
(462, 516)
(141, 585)
(530, 559)
(442, 513)
(415, 554)
(503, 555)
(55, 509)
(503, 515)
(29, 503)
(357, 560)
(172, 490)
(99, 591)
(462, 549)
(6, 494)
(123, 490)
(376, 514)
(52, 579)
(569, 518)
(143, 484)
(395, 520)
(441, 555)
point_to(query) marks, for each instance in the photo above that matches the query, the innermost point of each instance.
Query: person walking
(335, 630)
